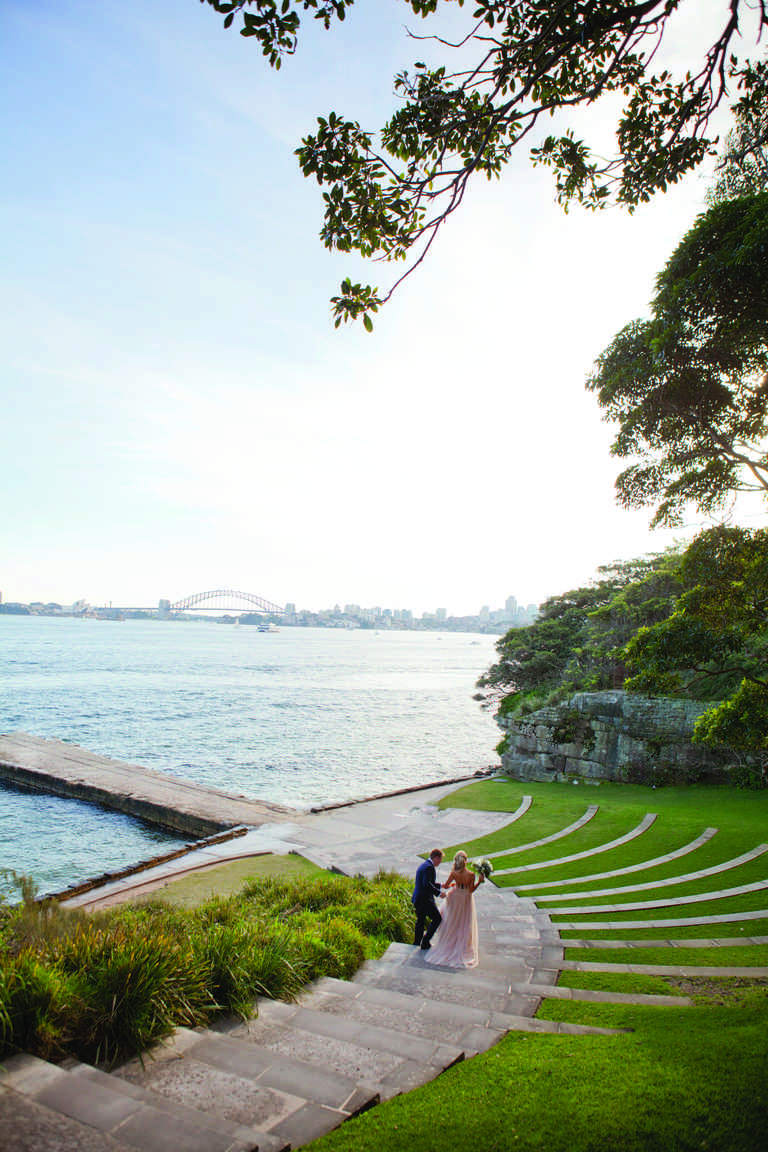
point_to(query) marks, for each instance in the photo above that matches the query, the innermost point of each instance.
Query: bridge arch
(226, 599)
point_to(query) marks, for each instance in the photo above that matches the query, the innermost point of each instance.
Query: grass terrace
(679, 1078)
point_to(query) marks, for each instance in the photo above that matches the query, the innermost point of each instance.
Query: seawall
(169, 802)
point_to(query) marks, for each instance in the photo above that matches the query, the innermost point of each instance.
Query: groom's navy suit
(423, 900)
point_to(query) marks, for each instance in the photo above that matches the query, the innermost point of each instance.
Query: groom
(423, 899)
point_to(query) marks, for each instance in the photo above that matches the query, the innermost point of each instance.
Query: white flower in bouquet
(483, 867)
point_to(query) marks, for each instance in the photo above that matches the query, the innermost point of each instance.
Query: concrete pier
(60, 769)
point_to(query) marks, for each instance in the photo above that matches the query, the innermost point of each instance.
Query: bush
(331, 948)
(37, 1007)
(135, 987)
(244, 961)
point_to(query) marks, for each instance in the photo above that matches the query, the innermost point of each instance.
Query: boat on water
(268, 628)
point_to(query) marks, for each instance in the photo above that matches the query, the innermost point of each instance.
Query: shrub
(331, 948)
(36, 1007)
(244, 961)
(135, 987)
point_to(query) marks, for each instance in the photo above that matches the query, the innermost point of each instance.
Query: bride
(456, 944)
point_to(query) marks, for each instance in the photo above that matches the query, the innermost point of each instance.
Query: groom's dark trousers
(423, 900)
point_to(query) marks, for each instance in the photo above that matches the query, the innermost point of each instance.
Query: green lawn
(226, 879)
(682, 1079)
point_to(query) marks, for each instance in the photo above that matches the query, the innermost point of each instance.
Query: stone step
(513, 963)
(27, 1126)
(469, 1026)
(395, 1060)
(563, 992)
(101, 1111)
(369, 1001)
(464, 986)
(287, 1099)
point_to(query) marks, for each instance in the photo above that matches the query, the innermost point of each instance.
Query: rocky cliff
(611, 736)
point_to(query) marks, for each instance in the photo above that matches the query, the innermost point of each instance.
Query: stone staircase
(296, 1071)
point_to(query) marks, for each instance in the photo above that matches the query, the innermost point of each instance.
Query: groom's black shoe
(425, 944)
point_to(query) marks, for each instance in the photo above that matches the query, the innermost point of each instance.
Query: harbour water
(302, 717)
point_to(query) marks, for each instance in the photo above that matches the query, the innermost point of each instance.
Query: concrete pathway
(61, 769)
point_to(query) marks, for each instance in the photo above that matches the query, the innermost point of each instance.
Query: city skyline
(509, 612)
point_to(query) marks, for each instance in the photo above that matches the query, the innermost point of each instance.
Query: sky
(179, 413)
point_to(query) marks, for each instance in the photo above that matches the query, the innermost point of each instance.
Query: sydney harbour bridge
(226, 599)
(217, 600)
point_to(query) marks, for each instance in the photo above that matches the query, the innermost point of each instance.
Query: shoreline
(81, 888)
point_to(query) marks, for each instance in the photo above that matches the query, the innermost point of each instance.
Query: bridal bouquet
(484, 867)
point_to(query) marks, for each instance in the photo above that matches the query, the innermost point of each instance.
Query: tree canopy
(714, 645)
(743, 167)
(689, 386)
(575, 643)
(690, 623)
(519, 61)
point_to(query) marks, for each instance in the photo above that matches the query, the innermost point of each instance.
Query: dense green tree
(689, 387)
(714, 645)
(743, 168)
(575, 644)
(388, 193)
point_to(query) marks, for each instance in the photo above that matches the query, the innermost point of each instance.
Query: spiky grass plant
(38, 1004)
(245, 960)
(134, 987)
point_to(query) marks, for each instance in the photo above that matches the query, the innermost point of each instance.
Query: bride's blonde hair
(460, 861)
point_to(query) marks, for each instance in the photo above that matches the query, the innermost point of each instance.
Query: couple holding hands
(456, 944)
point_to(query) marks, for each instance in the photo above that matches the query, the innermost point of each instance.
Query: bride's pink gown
(456, 940)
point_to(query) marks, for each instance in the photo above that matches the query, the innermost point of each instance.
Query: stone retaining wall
(611, 736)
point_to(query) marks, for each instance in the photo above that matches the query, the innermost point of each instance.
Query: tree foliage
(690, 623)
(689, 387)
(714, 645)
(519, 61)
(575, 644)
(743, 167)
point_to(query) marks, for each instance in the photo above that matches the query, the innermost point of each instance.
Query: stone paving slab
(366, 1052)
(681, 922)
(27, 1126)
(162, 1120)
(670, 902)
(663, 969)
(722, 942)
(367, 1038)
(491, 996)
(564, 992)
(685, 878)
(640, 828)
(88, 1102)
(366, 999)
(706, 835)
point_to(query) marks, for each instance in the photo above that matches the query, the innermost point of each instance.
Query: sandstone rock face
(612, 736)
